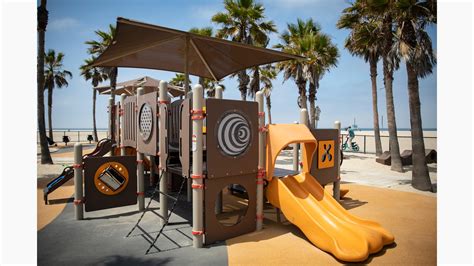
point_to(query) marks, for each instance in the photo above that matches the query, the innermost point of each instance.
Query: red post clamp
(79, 201)
(259, 217)
(163, 102)
(197, 186)
(263, 129)
(261, 173)
(140, 193)
(197, 233)
(139, 161)
(77, 166)
(197, 176)
(197, 114)
(261, 114)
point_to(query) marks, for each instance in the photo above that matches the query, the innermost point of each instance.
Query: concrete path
(362, 169)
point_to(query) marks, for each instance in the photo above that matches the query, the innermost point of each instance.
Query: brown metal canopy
(142, 45)
(130, 87)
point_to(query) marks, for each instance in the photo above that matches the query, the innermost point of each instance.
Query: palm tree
(96, 75)
(178, 80)
(413, 44)
(364, 41)
(267, 74)
(322, 56)
(256, 76)
(296, 39)
(211, 88)
(54, 77)
(243, 21)
(384, 12)
(41, 28)
(96, 48)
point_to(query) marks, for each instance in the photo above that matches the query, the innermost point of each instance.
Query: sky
(344, 93)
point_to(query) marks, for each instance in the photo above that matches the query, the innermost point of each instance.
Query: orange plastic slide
(306, 204)
(324, 221)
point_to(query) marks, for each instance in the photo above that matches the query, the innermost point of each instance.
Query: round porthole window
(233, 134)
(145, 119)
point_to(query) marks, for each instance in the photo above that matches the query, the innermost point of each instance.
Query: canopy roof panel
(142, 45)
(129, 87)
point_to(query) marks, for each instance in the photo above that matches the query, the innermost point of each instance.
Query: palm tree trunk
(420, 174)
(243, 82)
(373, 77)
(42, 23)
(94, 98)
(269, 108)
(50, 111)
(396, 161)
(254, 83)
(312, 88)
(113, 84)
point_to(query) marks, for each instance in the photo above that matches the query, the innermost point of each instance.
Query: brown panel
(174, 123)
(232, 137)
(97, 200)
(215, 231)
(147, 124)
(325, 162)
(130, 122)
(184, 136)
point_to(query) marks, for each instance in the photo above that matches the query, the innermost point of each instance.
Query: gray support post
(122, 123)
(336, 192)
(364, 143)
(219, 199)
(197, 186)
(219, 91)
(187, 94)
(111, 104)
(111, 129)
(152, 170)
(140, 170)
(163, 97)
(78, 190)
(261, 160)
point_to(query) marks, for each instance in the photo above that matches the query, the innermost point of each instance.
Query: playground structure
(215, 150)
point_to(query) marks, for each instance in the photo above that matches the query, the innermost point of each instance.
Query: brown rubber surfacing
(409, 216)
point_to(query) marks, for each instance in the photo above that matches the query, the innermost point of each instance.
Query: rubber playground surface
(100, 238)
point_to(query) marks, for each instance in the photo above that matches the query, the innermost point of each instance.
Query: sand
(404, 140)
(409, 216)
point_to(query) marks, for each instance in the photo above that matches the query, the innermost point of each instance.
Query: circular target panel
(145, 119)
(233, 134)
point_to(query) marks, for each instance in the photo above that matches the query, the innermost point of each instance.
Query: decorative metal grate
(146, 121)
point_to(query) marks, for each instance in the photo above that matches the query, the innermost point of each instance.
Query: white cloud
(63, 24)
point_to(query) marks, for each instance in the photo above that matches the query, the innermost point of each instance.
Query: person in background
(350, 134)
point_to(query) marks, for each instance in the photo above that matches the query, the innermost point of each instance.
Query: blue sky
(344, 94)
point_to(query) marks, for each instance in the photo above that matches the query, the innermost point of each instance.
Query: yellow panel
(326, 154)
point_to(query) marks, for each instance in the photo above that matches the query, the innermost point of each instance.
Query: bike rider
(350, 134)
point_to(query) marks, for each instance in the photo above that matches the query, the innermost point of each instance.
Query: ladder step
(169, 196)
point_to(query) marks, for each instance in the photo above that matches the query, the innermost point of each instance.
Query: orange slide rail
(307, 205)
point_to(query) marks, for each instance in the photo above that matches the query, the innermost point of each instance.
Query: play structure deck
(210, 147)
